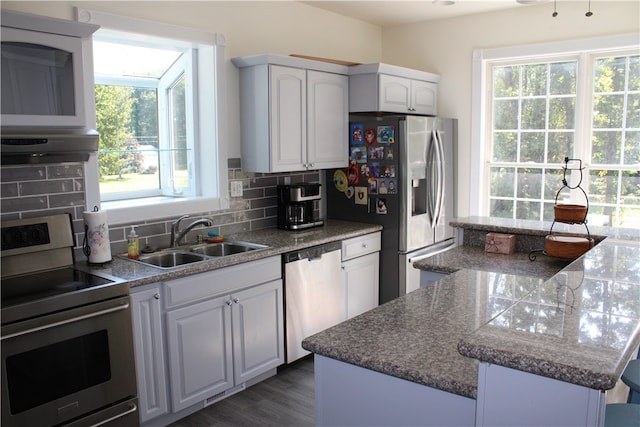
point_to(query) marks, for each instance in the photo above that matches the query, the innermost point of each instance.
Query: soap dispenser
(133, 244)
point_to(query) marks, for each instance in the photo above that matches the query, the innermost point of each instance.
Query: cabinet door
(424, 97)
(395, 93)
(327, 120)
(288, 118)
(361, 282)
(149, 353)
(258, 330)
(42, 80)
(200, 354)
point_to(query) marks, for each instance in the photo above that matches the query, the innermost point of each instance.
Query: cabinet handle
(236, 300)
(229, 302)
(156, 296)
(364, 245)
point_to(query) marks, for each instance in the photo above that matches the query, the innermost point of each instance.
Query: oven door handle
(131, 410)
(67, 321)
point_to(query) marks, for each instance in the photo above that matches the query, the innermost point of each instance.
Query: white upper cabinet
(46, 71)
(387, 88)
(294, 114)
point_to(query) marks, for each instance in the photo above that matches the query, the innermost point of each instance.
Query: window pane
(610, 74)
(529, 183)
(178, 123)
(528, 210)
(630, 192)
(128, 155)
(633, 111)
(603, 186)
(502, 182)
(552, 183)
(534, 80)
(532, 147)
(560, 146)
(501, 208)
(562, 113)
(563, 78)
(608, 111)
(632, 148)
(505, 146)
(548, 214)
(606, 148)
(533, 114)
(505, 114)
(634, 73)
(506, 81)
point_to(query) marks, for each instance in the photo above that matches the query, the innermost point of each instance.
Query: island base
(350, 395)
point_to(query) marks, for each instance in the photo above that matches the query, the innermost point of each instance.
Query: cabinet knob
(156, 296)
(236, 300)
(229, 302)
(364, 245)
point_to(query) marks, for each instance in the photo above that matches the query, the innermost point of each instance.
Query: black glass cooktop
(46, 284)
(35, 294)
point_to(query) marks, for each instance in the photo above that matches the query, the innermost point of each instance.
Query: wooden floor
(286, 399)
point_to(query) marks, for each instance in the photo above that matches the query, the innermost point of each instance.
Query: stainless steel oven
(67, 344)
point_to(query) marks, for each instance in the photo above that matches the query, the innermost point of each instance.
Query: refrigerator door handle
(440, 172)
(431, 188)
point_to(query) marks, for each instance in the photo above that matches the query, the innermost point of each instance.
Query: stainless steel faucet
(177, 234)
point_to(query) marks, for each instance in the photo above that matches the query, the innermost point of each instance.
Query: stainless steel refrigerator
(400, 175)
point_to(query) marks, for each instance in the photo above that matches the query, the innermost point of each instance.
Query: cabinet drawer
(222, 281)
(358, 246)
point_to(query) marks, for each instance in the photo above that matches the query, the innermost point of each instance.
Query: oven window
(48, 373)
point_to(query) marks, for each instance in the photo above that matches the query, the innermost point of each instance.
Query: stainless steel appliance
(296, 206)
(314, 294)
(401, 176)
(66, 335)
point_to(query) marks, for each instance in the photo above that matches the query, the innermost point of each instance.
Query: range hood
(47, 145)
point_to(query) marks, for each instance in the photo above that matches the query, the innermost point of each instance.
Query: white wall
(250, 27)
(445, 47)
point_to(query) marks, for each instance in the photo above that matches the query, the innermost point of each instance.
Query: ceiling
(390, 13)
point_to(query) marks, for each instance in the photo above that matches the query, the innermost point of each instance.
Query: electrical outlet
(236, 188)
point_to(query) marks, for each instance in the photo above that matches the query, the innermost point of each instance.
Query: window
(158, 107)
(541, 109)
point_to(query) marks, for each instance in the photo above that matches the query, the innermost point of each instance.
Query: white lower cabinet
(221, 329)
(148, 337)
(200, 355)
(360, 267)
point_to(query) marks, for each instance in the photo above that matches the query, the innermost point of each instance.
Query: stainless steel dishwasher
(314, 294)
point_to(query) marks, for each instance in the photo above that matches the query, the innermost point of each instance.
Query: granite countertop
(475, 258)
(577, 321)
(278, 242)
(415, 337)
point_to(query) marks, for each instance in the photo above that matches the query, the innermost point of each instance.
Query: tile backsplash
(28, 191)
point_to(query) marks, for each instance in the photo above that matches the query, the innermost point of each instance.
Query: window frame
(210, 197)
(582, 50)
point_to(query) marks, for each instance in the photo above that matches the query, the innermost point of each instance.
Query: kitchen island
(488, 347)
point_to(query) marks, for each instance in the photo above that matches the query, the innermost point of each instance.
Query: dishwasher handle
(311, 253)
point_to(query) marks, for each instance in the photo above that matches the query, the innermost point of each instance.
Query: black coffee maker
(295, 206)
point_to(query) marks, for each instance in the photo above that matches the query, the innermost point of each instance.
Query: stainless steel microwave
(45, 75)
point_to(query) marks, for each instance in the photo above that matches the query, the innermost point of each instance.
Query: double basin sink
(169, 258)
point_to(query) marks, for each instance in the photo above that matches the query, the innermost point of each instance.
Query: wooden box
(500, 243)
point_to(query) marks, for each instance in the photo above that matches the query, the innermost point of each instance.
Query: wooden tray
(566, 247)
(572, 214)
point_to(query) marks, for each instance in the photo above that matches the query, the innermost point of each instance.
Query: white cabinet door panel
(258, 330)
(200, 363)
(328, 120)
(361, 280)
(146, 313)
(288, 118)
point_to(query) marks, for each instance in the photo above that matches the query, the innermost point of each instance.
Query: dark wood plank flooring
(286, 399)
